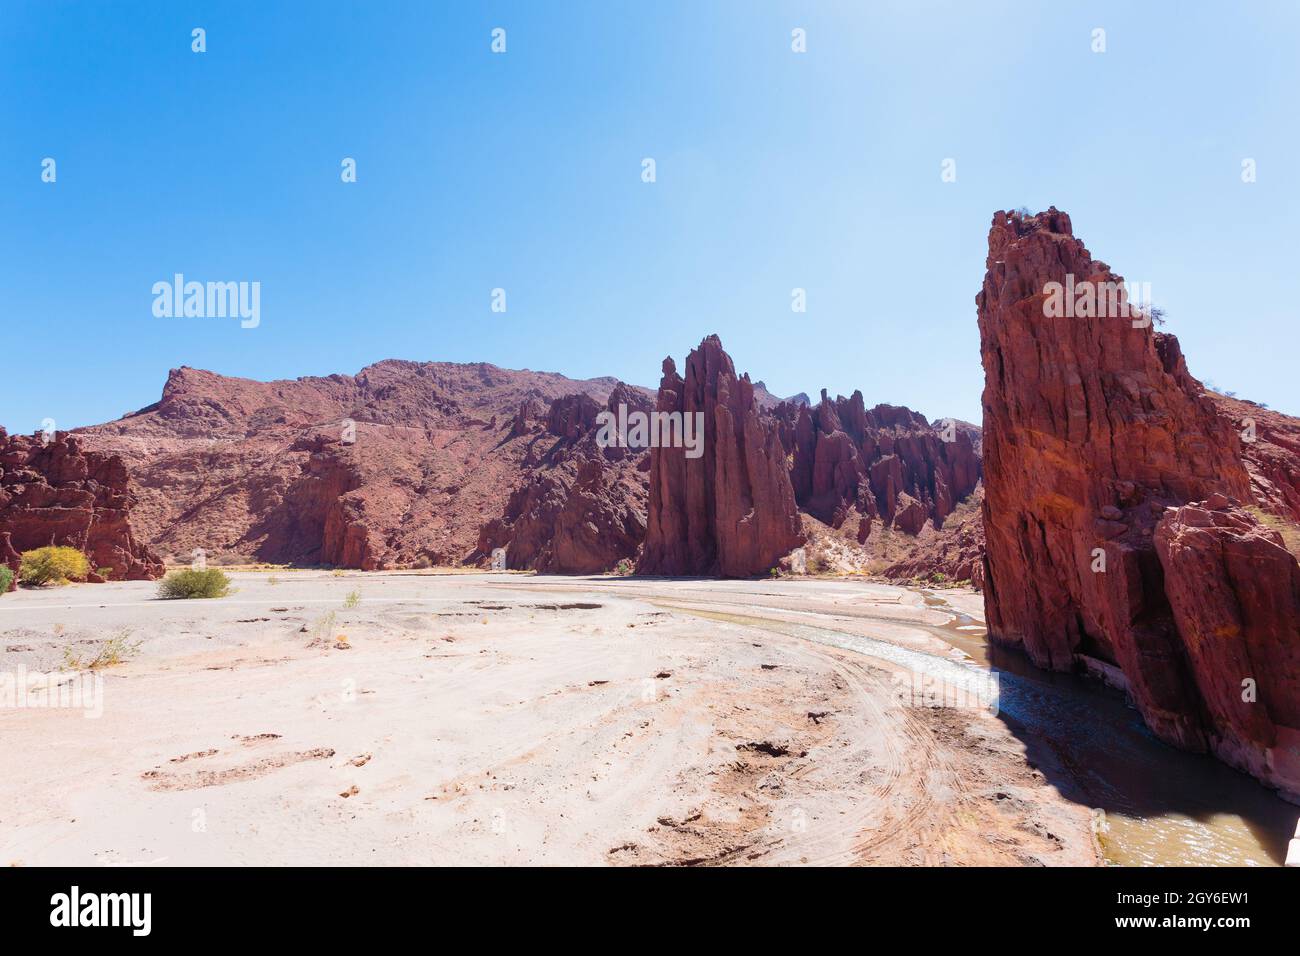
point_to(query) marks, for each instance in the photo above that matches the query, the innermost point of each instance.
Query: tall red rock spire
(730, 511)
(1094, 431)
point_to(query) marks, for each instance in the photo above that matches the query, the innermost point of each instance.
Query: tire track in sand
(901, 809)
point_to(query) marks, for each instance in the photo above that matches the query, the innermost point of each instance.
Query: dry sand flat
(486, 719)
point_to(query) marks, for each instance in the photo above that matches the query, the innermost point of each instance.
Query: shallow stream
(1161, 806)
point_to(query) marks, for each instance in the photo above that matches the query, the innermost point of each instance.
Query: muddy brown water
(1159, 806)
(1162, 806)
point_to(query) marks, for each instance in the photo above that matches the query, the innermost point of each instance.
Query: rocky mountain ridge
(418, 464)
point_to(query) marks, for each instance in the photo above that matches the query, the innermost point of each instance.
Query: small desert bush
(113, 651)
(352, 600)
(212, 583)
(6, 577)
(53, 565)
(106, 573)
(322, 631)
(624, 566)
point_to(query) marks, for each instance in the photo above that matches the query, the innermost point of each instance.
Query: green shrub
(6, 577)
(212, 583)
(53, 565)
(115, 650)
(322, 632)
(106, 573)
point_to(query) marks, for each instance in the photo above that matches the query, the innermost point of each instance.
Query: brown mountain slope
(579, 508)
(399, 464)
(1270, 449)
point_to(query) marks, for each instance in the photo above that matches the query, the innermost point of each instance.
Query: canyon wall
(576, 511)
(54, 492)
(580, 508)
(417, 464)
(1235, 593)
(954, 553)
(1096, 442)
(886, 464)
(1270, 448)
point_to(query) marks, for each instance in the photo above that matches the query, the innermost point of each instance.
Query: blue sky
(775, 170)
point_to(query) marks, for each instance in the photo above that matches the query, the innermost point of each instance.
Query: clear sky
(523, 171)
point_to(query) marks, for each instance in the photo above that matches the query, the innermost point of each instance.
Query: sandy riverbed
(490, 719)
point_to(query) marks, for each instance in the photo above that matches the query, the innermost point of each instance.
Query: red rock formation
(910, 514)
(324, 521)
(849, 462)
(581, 509)
(955, 551)
(404, 463)
(262, 470)
(1092, 429)
(525, 417)
(730, 511)
(55, 493)
(1235, 593)
(572, 416)
(1270, 447)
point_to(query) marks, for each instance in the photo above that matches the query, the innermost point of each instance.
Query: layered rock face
(886, 463)
(1270, 448)
(56, 493)
(1093, 428)
(732, 510)
(321, 518)
(1235, 593)
(581, 508)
